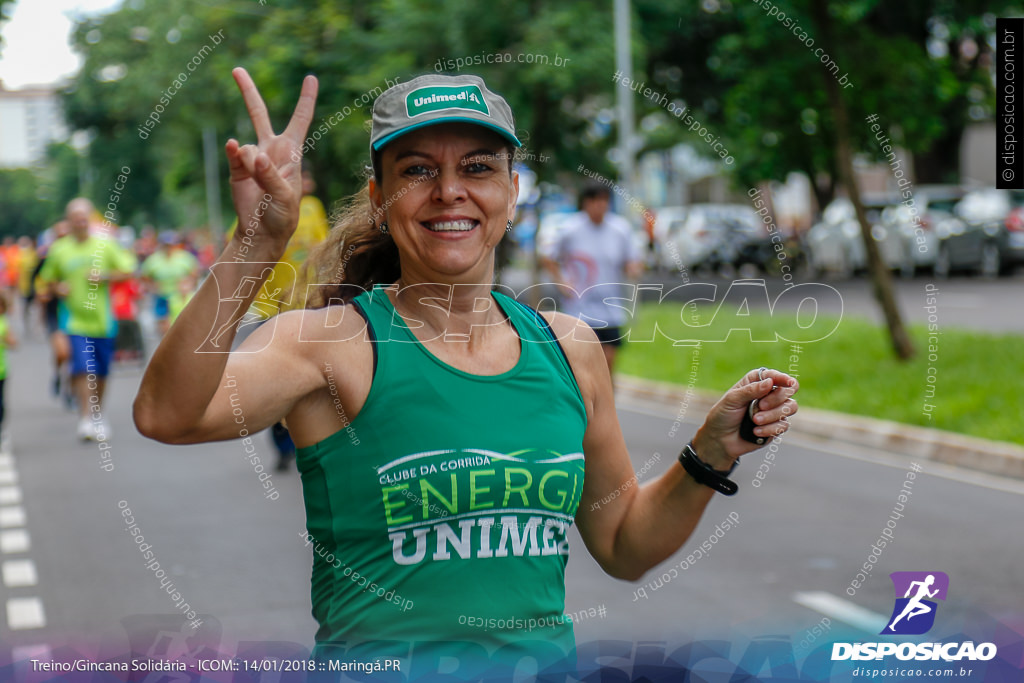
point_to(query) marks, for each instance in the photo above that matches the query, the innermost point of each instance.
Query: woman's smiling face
(447, 193)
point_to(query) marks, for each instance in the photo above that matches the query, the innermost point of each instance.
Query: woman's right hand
(266, 178)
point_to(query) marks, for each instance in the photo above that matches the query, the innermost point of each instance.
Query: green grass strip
(975, 385)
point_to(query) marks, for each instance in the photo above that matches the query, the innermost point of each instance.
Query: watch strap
(702, 473)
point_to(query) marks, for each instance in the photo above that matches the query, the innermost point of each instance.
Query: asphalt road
(238, 560)
(961, 301)
(965, 302)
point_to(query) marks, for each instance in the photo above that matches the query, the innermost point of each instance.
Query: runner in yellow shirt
(163, 271)
(79, 269)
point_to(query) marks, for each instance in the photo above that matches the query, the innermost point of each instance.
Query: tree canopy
(753, 80)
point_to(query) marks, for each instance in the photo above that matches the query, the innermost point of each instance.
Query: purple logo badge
(914, 611)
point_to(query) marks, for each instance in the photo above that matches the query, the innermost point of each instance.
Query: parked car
(933, 204)
(985, 234)
(739, 246)
(667, 221)
(690, 235)
(835, 243)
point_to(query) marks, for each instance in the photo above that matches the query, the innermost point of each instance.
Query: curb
(993, 457)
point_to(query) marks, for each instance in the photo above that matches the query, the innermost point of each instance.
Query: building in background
(30, 119)
(978, 155)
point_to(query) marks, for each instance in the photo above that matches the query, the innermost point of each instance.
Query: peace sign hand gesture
(266, 178)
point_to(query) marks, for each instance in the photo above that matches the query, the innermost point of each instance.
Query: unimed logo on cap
(914, 611)
(438, 97)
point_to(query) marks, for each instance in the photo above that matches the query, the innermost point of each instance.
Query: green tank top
(442, 512)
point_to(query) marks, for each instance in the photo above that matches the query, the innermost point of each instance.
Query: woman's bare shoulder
(335, 323)
(570, 330)
(582, 349)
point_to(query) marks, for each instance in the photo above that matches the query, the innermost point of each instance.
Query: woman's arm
(644, 525)
(194, 387)
(186, 393)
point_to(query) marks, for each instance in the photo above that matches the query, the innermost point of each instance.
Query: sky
(35, 46)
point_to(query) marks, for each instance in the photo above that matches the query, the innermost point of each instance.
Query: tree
(355, 49)
(61, 174)
(751, 77)
(880, 278)
(143, 116)
(5, 8)
(23, 211)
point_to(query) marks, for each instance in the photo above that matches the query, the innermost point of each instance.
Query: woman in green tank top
(448, 435)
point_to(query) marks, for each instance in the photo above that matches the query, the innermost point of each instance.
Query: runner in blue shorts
(79, 269)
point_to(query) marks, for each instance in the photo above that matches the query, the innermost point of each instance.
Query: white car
(689, 235)
(934, 205)
(835, 244)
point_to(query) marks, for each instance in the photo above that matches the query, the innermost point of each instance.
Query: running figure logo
(914, 613)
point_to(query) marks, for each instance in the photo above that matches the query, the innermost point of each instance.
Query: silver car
(689, 235)
(835, 244)
(922, 228)
(987, 235)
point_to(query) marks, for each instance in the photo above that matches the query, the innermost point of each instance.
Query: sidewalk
(993, 457)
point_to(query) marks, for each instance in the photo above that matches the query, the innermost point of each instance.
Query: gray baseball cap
(434, 98)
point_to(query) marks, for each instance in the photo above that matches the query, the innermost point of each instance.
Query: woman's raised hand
(266, 178)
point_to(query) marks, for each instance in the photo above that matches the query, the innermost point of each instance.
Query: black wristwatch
(703, 474)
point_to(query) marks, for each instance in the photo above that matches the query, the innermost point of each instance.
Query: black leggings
(2, 402)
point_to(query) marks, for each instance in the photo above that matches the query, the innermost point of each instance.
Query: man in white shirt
(594, 255)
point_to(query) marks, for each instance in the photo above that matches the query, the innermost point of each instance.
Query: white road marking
(14, 541)
(10, 495)
(18, 573)
(25, 613)
(842, 610)
(12, 515)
